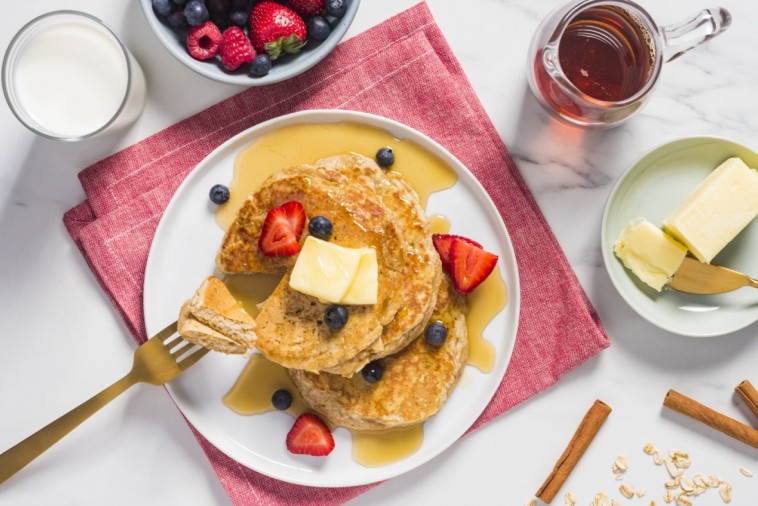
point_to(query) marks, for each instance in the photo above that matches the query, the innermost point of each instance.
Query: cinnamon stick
(749, 394)
(581, 439)
(693, 409)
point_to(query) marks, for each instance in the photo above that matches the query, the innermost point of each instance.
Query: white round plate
(182, 255)
(652, 188)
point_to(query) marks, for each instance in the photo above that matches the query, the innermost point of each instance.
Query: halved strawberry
(310, 436)
(470, 265)
(442, 243)
(296, 216)
(280, 234)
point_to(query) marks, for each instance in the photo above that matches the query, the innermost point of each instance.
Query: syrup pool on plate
(426, 174)
(67, 76)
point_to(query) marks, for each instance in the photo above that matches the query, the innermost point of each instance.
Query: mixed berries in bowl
(249, 42)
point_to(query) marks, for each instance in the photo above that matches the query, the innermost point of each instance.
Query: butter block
(718, 209)
(324, 269)
(650, 253)
(365, 287)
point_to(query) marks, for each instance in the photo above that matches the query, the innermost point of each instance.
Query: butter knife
(694, 276)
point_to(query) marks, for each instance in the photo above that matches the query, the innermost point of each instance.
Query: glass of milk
(67, 76)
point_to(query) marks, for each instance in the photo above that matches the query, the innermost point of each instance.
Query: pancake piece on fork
(213, 318)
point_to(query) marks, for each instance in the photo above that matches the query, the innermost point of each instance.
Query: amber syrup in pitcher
(607, 53)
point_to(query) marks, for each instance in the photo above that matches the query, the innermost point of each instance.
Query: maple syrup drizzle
(426, 174)
(379, 448)
(251, 393)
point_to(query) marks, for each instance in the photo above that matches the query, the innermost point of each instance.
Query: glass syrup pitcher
(594, 63)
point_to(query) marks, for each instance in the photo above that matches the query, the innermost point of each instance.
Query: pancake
(290, 328)
(415, 384)
(421, 270)
(213, 318)
(196, 332)
(367, 207)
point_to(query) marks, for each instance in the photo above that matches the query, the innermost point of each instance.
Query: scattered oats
(569, 499)
(618, 477)
(699, 480)
(680, 459)
(686, 484)
(683, 500)
(531, 502)
(600, 499)
(614, 502)
(650, 449)
(668, 496)
(726, 492)
(640, 492)
(652, 503)
(626, 491)
(746, 472)
(673, 483)
(714, 481)
(673, 470)
(620, 464)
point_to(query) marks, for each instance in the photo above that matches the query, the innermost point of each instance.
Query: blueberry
(281, 399)
(219, 194)
(196, 12)
(261, 65)
(372, 372)
(238, 18)
(179, 2)
(176, 19)
(335, 316)
(336, 8)
(240, 4)
(385, 157)
(320, 227)
(436, 333)
(318, 28)
(162, 7)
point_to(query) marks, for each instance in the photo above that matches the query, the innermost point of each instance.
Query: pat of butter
(651, 254)
(336, 274)
(717, 210)
(365, 287)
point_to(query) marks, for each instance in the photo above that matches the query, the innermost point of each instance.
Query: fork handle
(15, 458)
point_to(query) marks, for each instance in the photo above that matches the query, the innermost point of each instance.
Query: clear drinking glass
(67, 76)
(594, 63)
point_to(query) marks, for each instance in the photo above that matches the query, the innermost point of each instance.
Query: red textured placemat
(401, 69)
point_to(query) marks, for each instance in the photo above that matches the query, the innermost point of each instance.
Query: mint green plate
(652, 187)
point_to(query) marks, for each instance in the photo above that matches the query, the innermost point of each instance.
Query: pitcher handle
(683, 36)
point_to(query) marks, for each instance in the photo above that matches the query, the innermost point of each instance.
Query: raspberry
(236, 48)
(204, 41)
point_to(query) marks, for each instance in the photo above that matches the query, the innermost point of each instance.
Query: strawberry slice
(470, 265)
(310, 436)
(442, 243)
(280, 234)
(296, 216)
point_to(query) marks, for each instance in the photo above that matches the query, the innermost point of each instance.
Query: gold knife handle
(17, 457)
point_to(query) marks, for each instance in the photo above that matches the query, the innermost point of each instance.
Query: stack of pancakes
(368, 207)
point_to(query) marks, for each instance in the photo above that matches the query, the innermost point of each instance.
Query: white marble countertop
(61, 341)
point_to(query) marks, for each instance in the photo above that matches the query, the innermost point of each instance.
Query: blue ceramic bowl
(283, 68)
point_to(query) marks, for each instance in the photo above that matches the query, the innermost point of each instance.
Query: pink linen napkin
(401, 69)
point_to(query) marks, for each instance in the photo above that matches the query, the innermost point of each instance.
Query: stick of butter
(717, 210)
(650, 253)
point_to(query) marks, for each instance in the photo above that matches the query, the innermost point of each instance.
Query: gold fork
(159, 360)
